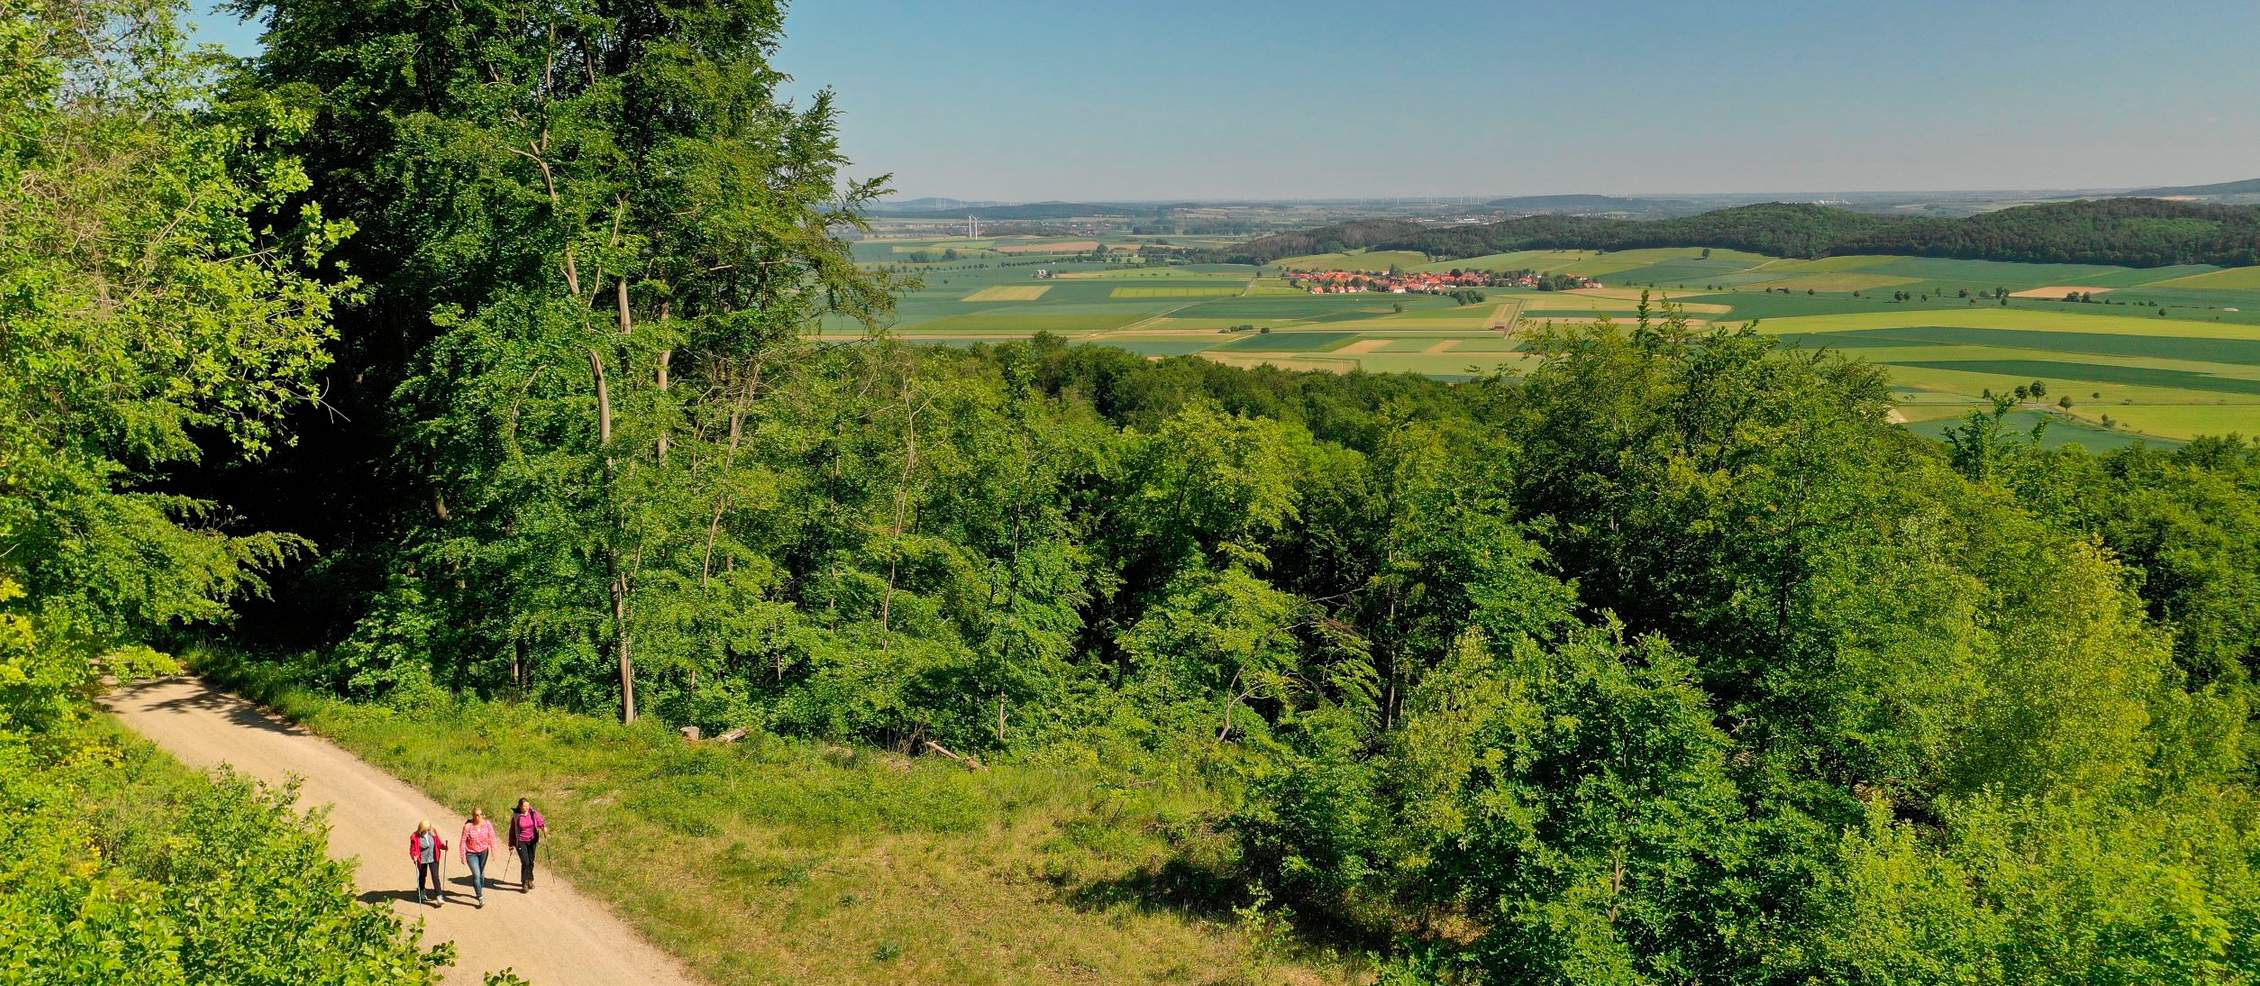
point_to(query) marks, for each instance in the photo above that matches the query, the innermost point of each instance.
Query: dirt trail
(553, 936)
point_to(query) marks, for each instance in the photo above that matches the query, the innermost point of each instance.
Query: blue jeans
(478, 861)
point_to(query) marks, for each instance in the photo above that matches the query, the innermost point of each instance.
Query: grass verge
(782, 861)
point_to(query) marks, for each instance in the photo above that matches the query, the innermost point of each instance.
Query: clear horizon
(1324, 100)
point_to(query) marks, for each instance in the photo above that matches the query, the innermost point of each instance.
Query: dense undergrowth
(125, 867)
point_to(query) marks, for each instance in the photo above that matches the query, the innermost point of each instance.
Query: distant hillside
(944, 208)
(1568, 203)
(1058, 210)
(2249, 186)
(2132, 232)
(927, 203)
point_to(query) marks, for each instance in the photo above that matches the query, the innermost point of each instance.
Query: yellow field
(2057, 291)
(1009, 292)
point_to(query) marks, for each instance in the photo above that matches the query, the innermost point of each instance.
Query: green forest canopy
(149, 327)
(2131, 232)
(1669, 661)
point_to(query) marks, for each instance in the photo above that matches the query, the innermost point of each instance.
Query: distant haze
(1166, 99)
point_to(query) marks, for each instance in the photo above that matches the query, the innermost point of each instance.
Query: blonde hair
(424, 826)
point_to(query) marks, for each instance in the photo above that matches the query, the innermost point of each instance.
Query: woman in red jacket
(426, 849)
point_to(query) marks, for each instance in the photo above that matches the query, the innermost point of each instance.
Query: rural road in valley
(553, 936)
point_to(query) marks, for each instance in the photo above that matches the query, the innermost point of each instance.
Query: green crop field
(2234, 279)
(1356, 260)
(2075, 373)
(1178, 291)
(2165, 354)
(1292, 342)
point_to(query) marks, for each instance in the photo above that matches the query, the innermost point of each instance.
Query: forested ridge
(472, 337)
(2133, 232)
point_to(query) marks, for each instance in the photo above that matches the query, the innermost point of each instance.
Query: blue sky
(1161, 99)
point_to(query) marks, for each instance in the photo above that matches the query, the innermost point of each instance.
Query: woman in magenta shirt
(527, 828)
(478, 840)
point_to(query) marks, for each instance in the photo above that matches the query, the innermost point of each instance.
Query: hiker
(427, 849)
(527, 828)
(478, 840)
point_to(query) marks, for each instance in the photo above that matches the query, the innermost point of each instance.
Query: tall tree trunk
(902, 505)
(621, 645)
(729, 460)
(666, 358)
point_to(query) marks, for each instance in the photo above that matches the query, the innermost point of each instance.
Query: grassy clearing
(776, 861)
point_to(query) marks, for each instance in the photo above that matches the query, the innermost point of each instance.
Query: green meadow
(2162, 354)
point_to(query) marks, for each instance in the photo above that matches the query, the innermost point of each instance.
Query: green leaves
(148, 319)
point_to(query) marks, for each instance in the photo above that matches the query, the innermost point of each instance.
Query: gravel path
(553, 936)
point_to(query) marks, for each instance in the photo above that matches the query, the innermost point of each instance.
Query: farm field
(2163, 354)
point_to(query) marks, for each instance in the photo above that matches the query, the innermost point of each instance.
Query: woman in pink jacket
(478, 841)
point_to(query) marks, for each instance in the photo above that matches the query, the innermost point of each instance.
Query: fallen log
(970, 763)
